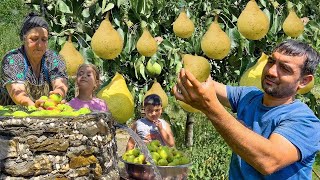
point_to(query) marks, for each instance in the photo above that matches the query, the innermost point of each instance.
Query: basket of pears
(50, 106)
(171, 163)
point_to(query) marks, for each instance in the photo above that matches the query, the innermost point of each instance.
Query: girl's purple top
(95, 104)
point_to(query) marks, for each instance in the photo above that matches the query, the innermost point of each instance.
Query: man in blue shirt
(274, 136)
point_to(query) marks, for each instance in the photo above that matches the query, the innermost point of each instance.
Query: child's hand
(158, 124)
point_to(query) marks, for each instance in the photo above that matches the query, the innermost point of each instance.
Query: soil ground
(122, 138)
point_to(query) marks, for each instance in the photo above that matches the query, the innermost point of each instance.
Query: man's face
(282, 75)
(153, 113)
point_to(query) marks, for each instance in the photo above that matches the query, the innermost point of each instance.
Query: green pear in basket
(130, 158)
(141, 158)
(155, 156)
(162, 162)
(137, 160)
(184, 160)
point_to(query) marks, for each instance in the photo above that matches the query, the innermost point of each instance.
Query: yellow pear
(252, 77)
(71, 57)
(252, 22)
(307, 88)
(197, 65)
(106, 42)
(292, 25)
(118, 98)
(147, 45)
(187, 107)
(183, 27)
(215, 43)
(157, 89)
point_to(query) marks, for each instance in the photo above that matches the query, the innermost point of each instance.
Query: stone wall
(58, 148)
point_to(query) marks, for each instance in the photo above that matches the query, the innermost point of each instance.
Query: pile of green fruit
(161, 155)
(51, 106)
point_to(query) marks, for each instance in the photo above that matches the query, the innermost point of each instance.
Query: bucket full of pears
(171, 163)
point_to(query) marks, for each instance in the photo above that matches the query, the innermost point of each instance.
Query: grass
(209, 154)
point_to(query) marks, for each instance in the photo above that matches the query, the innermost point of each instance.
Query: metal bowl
(146, 172)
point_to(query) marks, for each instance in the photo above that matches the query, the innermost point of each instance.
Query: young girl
(88, 81)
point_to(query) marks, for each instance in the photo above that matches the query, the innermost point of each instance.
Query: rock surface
(81, 147)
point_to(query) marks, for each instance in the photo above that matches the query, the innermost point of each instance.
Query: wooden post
(189, 130)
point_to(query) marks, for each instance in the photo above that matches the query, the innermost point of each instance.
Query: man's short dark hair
(297, 48)
(152, 99)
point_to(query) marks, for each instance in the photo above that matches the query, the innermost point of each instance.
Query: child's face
(86, 78)
(153, 113)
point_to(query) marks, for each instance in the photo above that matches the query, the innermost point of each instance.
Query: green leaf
(104, 3)
(142, 71)
(98, 9)
(61, 40)
(86, 13)
(63, 7)
(63, 20)
(120, 2)
(108, 8)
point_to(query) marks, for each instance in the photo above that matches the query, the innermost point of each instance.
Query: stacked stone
(61, 148)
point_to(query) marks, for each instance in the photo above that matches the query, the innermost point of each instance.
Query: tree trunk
(189, 130)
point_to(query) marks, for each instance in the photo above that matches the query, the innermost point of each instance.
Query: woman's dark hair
(297, 48)
(31, 21)
(152, 99)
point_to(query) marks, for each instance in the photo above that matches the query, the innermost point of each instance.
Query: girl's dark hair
(297, 48)
(152, 99)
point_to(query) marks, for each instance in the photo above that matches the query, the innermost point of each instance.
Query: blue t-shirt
(295, 121)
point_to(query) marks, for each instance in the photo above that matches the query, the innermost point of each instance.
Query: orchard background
(209, 154)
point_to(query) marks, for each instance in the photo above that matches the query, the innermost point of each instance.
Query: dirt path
(122, 138)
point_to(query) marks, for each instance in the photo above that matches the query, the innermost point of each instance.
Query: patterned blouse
(13, 68)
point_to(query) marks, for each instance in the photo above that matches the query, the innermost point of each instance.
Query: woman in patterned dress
(32, 70)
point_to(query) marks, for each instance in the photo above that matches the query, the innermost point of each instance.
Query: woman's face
(36, 43)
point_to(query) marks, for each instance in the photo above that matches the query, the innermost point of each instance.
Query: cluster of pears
(252, 76)
(119, 99)
(254, 24)
(215, 43)
(161, 155)
(71, 57)
(52, 106)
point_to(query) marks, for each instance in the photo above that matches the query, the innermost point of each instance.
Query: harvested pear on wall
(252, 22)
(197, 65)
(183, 27)
(187, 107)
(71, 57)
(215, 43)
(307, 88)
(106, 42)
(147, 45)
(157, 89)
(118, 98)
(292, 25)
(252, 77)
